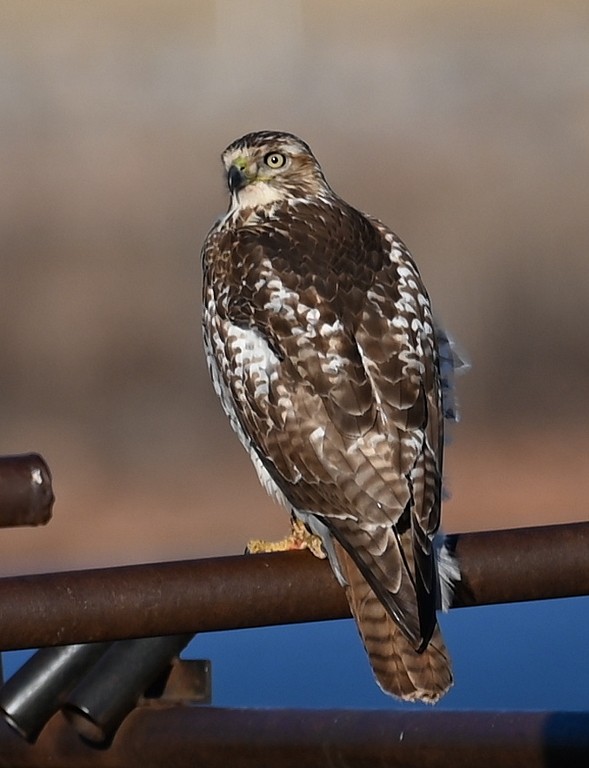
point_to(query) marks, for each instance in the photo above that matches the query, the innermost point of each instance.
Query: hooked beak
(236, 179)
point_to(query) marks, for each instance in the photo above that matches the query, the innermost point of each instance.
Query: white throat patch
(255, 194)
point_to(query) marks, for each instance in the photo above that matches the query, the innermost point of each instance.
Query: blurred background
(464, 126)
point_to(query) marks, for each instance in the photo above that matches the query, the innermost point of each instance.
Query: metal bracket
(186, 681)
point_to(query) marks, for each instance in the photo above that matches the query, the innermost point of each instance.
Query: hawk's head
(269, 166)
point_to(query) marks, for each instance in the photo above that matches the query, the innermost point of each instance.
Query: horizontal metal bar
(258, 590)
(215, 738)
(519, 564)
(26, 494)
(167, 598)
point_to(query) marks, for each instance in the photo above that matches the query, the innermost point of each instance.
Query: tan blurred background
(463, 125)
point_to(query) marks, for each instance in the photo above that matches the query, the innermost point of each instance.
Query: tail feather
(399, 669)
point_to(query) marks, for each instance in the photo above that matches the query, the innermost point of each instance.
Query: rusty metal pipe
(26, 494)
(112, 688)
(519, 564)
(37, 690)
(215, 738)
(166, 598)
(258, 590)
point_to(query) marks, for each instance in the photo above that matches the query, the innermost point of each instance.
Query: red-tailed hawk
(323, 352)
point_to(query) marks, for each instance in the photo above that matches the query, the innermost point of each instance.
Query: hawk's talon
(299, 538)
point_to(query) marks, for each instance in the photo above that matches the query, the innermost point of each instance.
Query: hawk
(322, 349)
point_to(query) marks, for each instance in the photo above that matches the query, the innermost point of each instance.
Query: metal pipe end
(26, 491)
(84, 724)
(30, 734)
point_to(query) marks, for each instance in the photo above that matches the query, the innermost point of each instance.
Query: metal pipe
(26, 494)
(519, 564)
(166, 598)
(215, 738)
(258, 590)
(112, 688)
(37, 690)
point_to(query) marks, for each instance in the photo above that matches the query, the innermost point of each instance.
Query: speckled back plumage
(322, 349)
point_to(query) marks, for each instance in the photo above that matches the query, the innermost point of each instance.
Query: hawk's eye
(275, 160)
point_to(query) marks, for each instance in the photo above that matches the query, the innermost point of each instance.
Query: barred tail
(398, 668)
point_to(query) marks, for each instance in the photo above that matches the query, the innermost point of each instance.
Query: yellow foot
(300, 538)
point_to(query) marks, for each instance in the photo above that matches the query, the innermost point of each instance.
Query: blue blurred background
(520, 656)
(462, 125)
